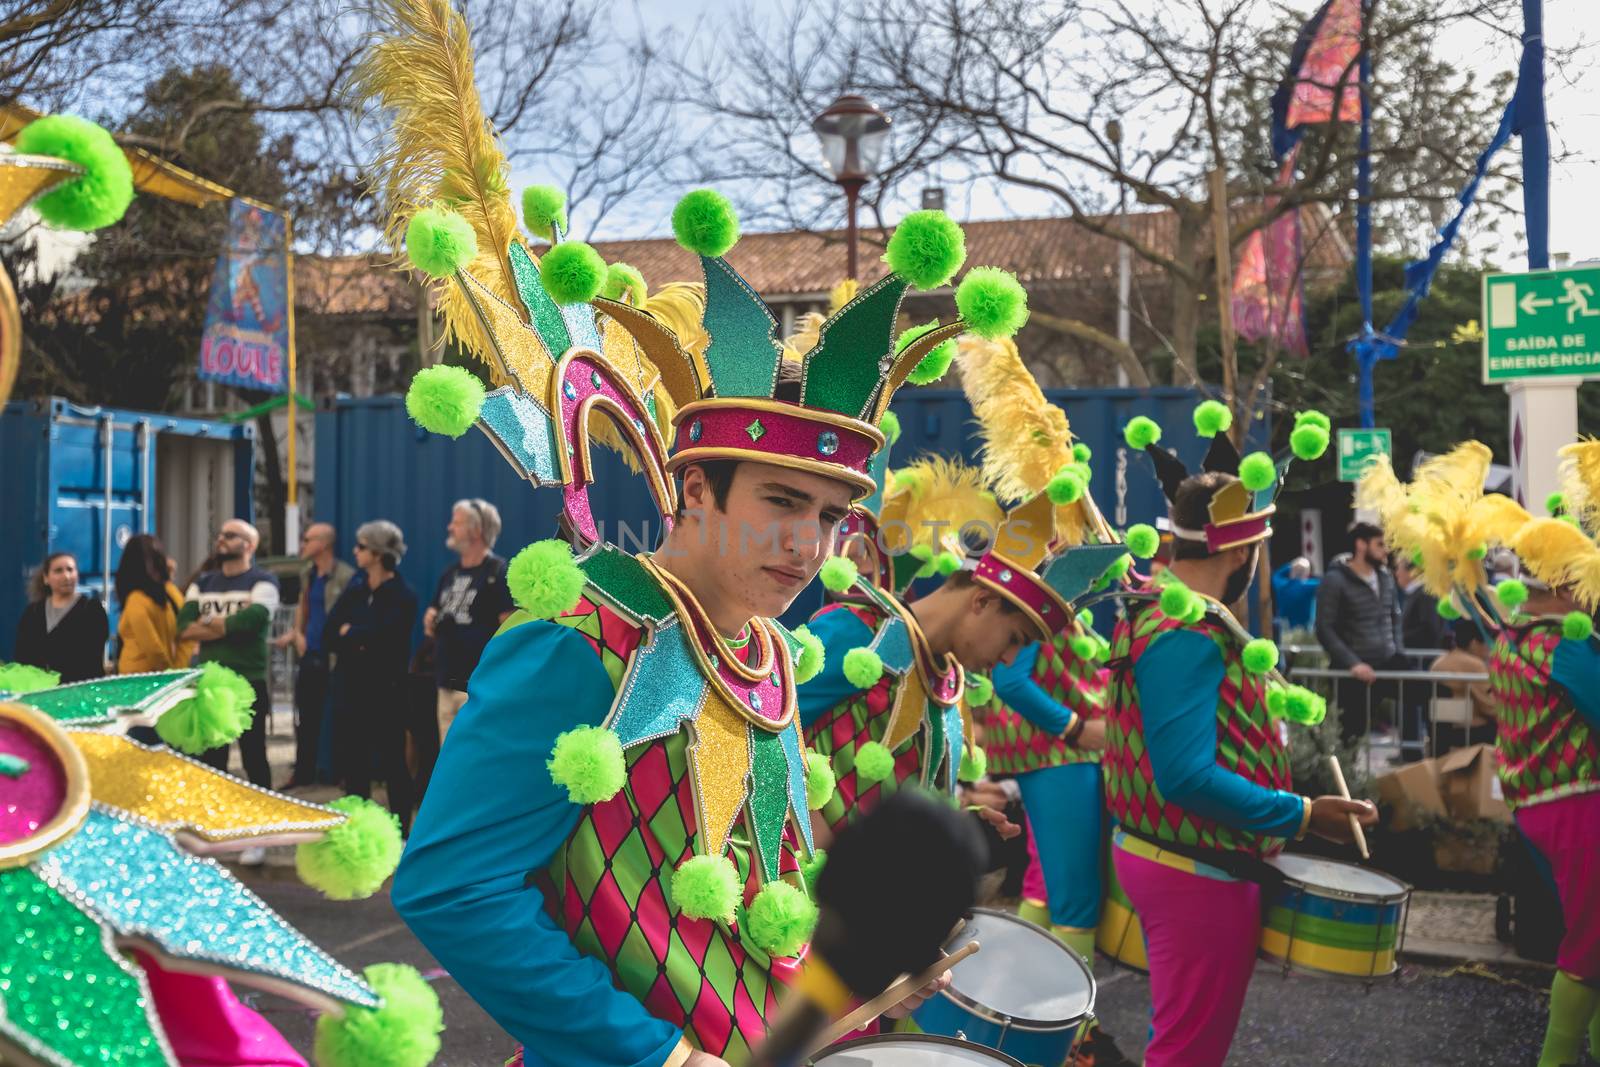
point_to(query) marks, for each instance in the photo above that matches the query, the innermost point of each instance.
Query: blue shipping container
(85, 479)
(373, 463)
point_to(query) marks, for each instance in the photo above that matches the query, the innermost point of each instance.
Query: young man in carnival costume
(1196, 764)
(122, 930)
(608, 859)
(1544, 673)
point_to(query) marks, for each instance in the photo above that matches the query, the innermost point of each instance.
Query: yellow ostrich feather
(1561, 555)
(1580, 481)
(805, 337)
(680, 306)
(440, 149)
(1026, 439)
(934, 498)
(842, 294)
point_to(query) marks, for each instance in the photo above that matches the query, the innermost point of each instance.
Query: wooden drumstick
(890, 997)
(1355, 823)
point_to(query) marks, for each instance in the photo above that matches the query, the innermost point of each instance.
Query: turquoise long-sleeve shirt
(1178, 677)
(1014, 684)
(492, 820)
(839, 630)
(1576, 668)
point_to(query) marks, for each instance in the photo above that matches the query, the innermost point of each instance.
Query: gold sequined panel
(176, 793)
(719, 760)
(910, 708)
(24, 177)
(524, 354)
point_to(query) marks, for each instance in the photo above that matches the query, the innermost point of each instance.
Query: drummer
(1197, 774)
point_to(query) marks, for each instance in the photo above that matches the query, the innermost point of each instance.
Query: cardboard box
(1463, 853)
(1470, 784)
(1408, 787)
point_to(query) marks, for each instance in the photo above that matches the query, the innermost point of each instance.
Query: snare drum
(1119, 935)
(1333, 918)
(910, 1050)
(1025, 993)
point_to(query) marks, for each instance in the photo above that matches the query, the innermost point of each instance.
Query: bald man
(322, 579)
(229, 612)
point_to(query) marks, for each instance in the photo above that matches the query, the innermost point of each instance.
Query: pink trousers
(1567, 833)
(1033, 887)
(1201, 935)
(209, 1027)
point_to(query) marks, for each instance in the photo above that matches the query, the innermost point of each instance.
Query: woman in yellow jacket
(147, 631)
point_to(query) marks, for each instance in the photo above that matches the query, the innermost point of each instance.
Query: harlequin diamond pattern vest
(610, 889)
(1248, 741)
(1014, 745)
(841, 731)
(1546, 750)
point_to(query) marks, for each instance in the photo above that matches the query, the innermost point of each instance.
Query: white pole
(1544, 416)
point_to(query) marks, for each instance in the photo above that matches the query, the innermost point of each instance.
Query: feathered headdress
(1580, 482)
(927, 507)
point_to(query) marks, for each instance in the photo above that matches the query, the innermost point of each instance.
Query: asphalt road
(1430, 1016)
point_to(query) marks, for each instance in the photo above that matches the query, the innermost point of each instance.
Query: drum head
(1335, 877)
(911, 1050)
(1021, 972)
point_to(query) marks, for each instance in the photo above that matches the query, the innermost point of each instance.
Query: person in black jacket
(61, 630)
(369, 631)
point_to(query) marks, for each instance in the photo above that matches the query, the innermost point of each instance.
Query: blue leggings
(1067, 812)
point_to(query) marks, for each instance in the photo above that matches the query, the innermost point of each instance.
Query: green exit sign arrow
(1541, 324)
(1358, 447)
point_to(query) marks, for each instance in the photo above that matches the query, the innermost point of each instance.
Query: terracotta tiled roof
(352, 285)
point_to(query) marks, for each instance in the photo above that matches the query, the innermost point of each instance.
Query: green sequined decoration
(544, 312)
(623, 579)
(13, 766)
(769, 798)
(64, 995)
(89, 703)
(843, 371)
(744, 352)
(756, 430)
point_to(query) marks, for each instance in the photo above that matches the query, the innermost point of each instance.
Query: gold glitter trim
(860, 485)
(74, 805)
(661, 487)
(24, 178)
(719, 760)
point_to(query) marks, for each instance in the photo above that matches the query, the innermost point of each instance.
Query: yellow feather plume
(805, 337)
(934, 498)
(1026, 439)
(1580, 481)
(440, 148)
(842, 294)
(1561, 555)
(680, 306)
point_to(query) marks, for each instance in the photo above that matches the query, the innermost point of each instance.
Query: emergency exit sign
(1356, 449)
(1542, 324)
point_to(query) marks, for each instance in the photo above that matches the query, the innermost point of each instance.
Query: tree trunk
(276, 492)
(1193, 228)
(1123, 353)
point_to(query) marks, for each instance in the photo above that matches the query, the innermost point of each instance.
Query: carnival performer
(134, 929)
(608, 856)
(1544, 674)
(1196, 765)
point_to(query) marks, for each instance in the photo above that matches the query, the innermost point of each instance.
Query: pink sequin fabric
(32, 798)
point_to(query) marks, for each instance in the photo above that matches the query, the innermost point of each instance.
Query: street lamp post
(852, 132)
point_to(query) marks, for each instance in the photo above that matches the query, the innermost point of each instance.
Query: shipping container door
(195, 495)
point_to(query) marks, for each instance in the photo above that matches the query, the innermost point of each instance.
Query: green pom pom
(101, 194)
(545, 580)
(1212, 417)
(1277, 701)
(820, 780)
(1260, 656)
(1141, 432)
(1257, 471)
(445, 400)
(890, 425)
(931, 367)
(1082, 452)
(1303, 706)
(353, 859)
(1308, 442)
(1448, 610)
(1313, 418)
(1512, 593)
(838, 573)
(862, 667)
(1143, 541)
(1478, 552)
(874, 762)
(1083, 646)
(811, 869)
(974, 764)
(572, 273)
(980, 690)
(992, 302)
(587, 762)
(946, 563)
(403, 1032)
(1555, 503)
(704, 222)
(439, 242)
(809, 663)
(780, 919)
(1118, 570)
(221, 709)
(1570, 520)
(1176, 601)
(926, 249)
(706, 887)
(1065, 488)
(544, 210)
(1197, 610)
(21, 678)
(621, 279)
(1577, 626)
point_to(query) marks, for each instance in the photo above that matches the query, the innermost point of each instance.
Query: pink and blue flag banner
(1267, 290)
(246, 339)
(1322, 83)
